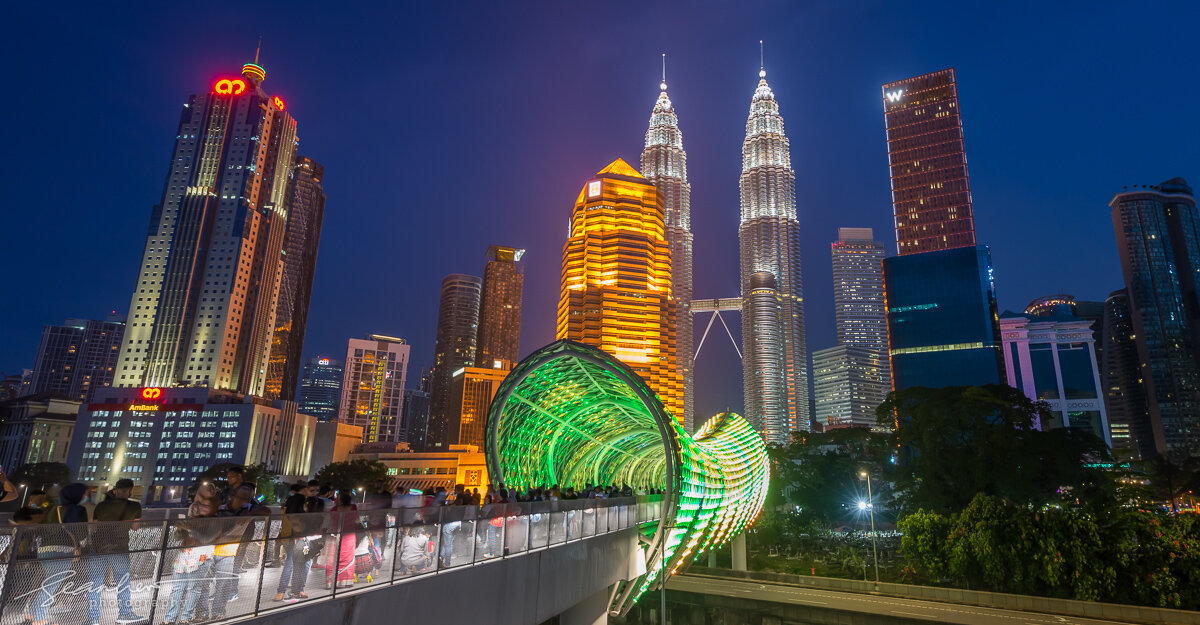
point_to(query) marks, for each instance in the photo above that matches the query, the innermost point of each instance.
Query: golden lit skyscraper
(616, 279)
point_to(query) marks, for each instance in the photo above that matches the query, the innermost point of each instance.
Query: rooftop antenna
(663, 86)
(258, 49)
(762, 63)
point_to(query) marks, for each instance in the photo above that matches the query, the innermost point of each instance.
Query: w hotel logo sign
(894, 96)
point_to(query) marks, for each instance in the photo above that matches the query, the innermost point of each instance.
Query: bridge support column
(712, 559)
(739, 552)
(591, 611)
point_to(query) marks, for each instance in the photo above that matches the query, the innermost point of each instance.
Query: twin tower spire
(596, 287)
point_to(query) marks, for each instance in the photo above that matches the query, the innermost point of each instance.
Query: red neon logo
(230, 86)
(151, 393)
(278, 102)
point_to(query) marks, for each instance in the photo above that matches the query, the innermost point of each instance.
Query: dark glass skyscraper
(931, 196)
(321, 388)
(455, 348)
(1158, 239)
(306, 211)
(204, 305)
(77, 357)
(1121, 378)
(942, 319)
(500, 308)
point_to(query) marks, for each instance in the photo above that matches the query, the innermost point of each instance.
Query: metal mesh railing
(212, 569)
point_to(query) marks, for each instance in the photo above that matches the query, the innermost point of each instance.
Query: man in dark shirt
(112, 540)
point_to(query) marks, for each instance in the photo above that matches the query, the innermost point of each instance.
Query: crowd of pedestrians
(207, 553)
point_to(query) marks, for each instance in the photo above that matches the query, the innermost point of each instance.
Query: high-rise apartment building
(455, 348)
(860, 318)
(931, 197)
(1121, 378)
(847, 385)
(500, 308)
(306, 211)
(77, 357)
(664, 164)
(616, 279)
(769, 238)
(1158, 239)
(203, 310)
(416, 416)
(373, 387)
(1052, 358)
(321, 388)
(471, 392)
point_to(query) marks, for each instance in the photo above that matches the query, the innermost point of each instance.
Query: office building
(36, 428)
(203, 308)
(616, 279)
(762, 305)
(321, 388)
(1121, 377)
(860, 318)
(163, 438)
(1052, 358)
(373, 387)
(943, 326)
(76, 357)
(416, 416)
(333, 443)
(848, 386)
(931, 196)
(1158, 240)
(664, 164)
(769, 241)
(306, 211)
(455, 348)
(426, 471)
(471, 392)
(500, 308)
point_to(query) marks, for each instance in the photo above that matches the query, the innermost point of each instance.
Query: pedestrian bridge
(518, 563)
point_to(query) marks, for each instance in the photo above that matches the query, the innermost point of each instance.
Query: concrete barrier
(1030, 603)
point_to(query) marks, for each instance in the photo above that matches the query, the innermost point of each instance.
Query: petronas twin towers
(775, 357)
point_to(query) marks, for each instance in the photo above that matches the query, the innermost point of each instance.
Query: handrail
(213, 569)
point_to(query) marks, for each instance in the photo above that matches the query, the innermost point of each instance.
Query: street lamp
(861, 505)
(24, 495)
(364, 494)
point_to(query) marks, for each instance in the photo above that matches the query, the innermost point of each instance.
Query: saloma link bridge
(572, 414)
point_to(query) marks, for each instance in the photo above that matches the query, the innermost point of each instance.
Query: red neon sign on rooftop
(151, 393)
(278, 102)
(229, 86)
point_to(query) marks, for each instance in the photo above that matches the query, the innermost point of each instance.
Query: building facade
(373, 387)
(203, 309)
(426, 471)
(860, 316)
(616, 279)
(943, 325)
(306, 211)
(1052, 358)
(455, 347)
(769, 241)
(416, 417)
(471, 394)
(500, 308)
(1158, 240)
(931, 194)
(163, 438)
(848, 386)
(664, 164)
(321, 388)
(762, 307)
(1121, 377)
(333, 443)
(78, 356)
(36, 428)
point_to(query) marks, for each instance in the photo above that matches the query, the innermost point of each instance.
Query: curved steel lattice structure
(570, 414)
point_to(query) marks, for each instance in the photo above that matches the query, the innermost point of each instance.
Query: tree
(1170, 480)
(956, 442)
(40, 475)
(819, 472)
(265, 480)
(347, 476)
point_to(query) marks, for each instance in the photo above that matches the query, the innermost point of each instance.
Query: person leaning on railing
(226, 571)
(56, 547)
(115, 507)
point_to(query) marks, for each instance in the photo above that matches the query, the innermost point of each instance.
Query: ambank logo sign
(894, 96)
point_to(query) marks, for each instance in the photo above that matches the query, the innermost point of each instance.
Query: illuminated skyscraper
(306, 210)
(455, 348)
(931, 197)
(769, 238)
(616, 279)
(77, 358)
(373, 387)
(500, 308)
(1158, 238)
(860, 316)
(203, 310)
(664, 163)
(762, 307)
(321, 388)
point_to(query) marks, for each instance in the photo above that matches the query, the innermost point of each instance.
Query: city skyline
(1005, 192)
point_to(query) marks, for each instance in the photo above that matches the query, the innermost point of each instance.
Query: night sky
(444, 131)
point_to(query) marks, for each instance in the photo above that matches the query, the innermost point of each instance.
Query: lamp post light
(364, 494)
(871, 508)
(24, 494)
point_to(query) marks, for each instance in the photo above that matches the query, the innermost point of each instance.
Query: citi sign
(894, 96)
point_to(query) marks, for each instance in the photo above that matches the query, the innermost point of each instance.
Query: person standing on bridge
(115, 509)
(342, 569)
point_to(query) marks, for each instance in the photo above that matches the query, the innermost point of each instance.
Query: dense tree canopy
(352, 474)
(41, 475)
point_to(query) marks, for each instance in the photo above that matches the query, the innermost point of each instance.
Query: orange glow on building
(616, 279)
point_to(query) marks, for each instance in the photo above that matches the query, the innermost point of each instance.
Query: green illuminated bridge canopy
(572, 415)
